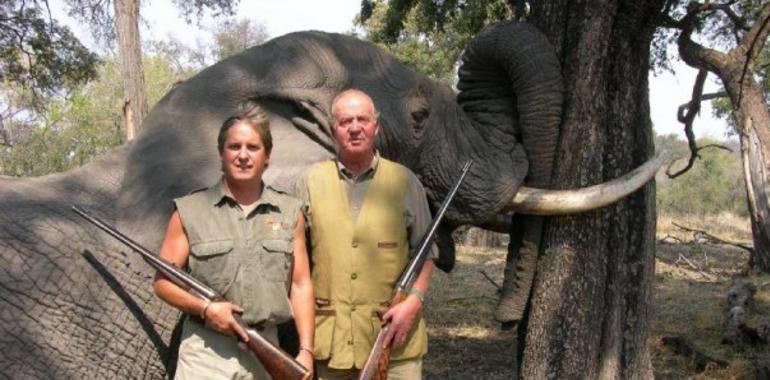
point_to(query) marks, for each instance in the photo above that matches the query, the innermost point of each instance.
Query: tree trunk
(735, 70)
(756, 177)
(753, 118)
(588, 316)
(130, 51)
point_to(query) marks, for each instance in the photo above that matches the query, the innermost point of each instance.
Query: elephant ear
(292, 78)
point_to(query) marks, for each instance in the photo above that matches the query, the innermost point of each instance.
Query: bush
(713, 185)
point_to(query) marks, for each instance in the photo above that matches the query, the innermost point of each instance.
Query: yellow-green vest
(355, 265)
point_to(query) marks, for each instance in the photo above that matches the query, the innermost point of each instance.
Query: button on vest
(356, 263)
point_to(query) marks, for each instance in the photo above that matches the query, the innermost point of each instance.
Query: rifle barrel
(178, 276)
(376, 366)
(278, 363)
(412, 269)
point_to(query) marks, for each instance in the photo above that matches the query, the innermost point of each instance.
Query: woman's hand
(219, 316)
(306, 359)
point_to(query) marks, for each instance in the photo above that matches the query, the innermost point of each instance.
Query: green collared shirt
(245, 257)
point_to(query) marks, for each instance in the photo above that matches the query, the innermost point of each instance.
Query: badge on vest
(387, 244)
(275, 225)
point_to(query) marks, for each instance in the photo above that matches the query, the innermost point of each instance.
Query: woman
(246, 241)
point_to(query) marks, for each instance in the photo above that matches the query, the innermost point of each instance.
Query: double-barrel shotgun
(376, 366)
(279, 364)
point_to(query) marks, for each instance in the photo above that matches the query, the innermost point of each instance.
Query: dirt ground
(689, 310)
(465, 341)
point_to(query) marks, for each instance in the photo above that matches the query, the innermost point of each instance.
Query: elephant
(76, 304)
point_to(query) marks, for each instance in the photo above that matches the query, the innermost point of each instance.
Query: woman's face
(244, 157)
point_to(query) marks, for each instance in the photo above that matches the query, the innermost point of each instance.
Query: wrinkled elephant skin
(76, 305)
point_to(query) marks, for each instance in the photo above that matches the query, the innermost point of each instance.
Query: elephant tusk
(532, 201)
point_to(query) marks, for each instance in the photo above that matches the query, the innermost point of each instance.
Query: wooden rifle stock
(279, 364)
(376, 366)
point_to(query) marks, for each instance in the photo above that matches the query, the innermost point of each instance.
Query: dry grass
(726, 226)
(692, 279)
(465, 341)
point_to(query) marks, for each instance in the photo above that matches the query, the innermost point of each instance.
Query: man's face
(243, 154)
(355, 126)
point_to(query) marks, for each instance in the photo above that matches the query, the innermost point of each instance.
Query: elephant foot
(519, 275)
(446, 248)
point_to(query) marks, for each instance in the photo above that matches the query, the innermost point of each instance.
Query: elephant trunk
(525, 83)
(511, 87)
(509, 110)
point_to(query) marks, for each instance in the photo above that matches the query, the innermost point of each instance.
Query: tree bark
(757, 191)
(735, 70)
(130, 51)
(588, 316)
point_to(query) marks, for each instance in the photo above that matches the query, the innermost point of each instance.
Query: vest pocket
(324, 330)
(211, 263)
(276, 260)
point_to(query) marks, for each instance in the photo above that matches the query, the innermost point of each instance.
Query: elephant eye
(419, 115)
(419, 109)
(418, 119)
(419, 123)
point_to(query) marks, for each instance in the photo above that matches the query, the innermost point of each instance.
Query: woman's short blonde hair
(255, 118)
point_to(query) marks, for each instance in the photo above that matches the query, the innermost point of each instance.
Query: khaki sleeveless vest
(246, 259)
(356, 264)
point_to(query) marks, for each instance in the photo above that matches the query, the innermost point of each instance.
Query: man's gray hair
(352, 90)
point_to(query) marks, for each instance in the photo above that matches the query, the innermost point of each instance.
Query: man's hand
(401, 318)
(219, 315)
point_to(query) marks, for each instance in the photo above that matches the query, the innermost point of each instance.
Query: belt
(332, 312)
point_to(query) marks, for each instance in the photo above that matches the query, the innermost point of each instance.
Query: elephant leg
(520, 266)
(446, 247)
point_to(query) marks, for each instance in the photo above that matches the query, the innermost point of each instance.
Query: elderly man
(364, 214)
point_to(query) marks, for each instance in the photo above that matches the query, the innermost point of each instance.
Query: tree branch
(693, 53)
(713, 239)
(753, 42)
(686, 115)
(680, 115)
(664, 18)
(740, 22)
(666, 21)
(491, 281)
(694, 154)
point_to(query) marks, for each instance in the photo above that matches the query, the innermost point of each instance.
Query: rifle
(376, 366)
(279, 364)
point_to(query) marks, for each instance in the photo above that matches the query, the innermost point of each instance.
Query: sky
(667, 91)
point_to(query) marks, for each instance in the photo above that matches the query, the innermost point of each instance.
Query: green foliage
(234, 36)
(74, 129)
(100, 16)
(230, 37)
(39, 54)
(197, 7)
(713, 185)
(58, 147)
(427, 35)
